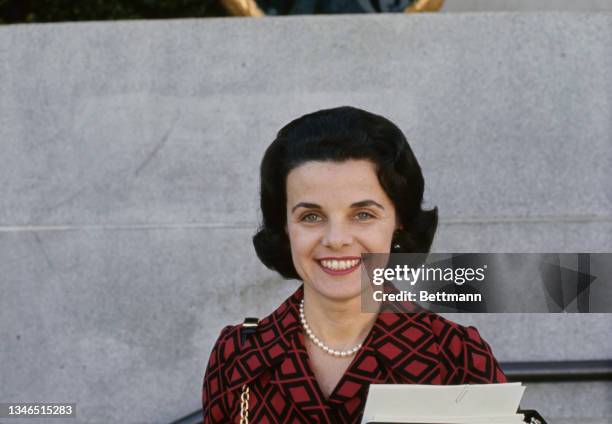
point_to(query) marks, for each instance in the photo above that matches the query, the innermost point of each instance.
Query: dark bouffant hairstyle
(338, 135)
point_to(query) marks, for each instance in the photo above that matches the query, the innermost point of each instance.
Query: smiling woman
(337, 211)
(336, 184)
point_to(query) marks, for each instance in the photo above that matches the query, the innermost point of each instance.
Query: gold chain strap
(244, 405)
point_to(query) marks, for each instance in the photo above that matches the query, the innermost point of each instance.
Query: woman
(335, 184)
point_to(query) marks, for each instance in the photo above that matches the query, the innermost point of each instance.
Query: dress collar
(400, 348)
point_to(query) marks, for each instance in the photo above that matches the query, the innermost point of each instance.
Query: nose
(337, 235)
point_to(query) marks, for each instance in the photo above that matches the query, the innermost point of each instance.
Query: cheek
(378, 238)
(302, 240)
(383, 245)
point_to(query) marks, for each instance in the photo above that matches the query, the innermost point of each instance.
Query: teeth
(339, 265)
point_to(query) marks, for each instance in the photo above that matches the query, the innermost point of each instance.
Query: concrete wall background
(527, 6)
(129, 165)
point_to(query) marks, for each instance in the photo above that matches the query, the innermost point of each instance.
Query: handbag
(249, 326)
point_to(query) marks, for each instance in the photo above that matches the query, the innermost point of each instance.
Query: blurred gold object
(425, 6)
(250, 8)
(242, 8)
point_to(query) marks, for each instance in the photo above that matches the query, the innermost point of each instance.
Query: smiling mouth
(339, 267)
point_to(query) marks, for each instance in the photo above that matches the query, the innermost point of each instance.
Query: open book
(463, 404)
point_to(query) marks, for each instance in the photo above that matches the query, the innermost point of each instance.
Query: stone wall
(129, 165)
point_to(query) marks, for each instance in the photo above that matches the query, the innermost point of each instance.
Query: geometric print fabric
(406, 345)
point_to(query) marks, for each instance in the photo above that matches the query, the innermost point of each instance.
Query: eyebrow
(360, 204)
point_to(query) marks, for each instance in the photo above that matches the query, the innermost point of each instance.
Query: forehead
(334, 180)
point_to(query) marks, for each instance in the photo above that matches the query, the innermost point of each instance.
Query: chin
(338, 289)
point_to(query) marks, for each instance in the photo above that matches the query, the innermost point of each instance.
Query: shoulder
(227, 344)
(466, 351)
(268, 337)
(214, 402)
(453, 332)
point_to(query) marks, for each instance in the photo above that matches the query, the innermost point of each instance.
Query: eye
(311, 217)
(364, 216)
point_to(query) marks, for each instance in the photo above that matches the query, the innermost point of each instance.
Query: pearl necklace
(319, 343)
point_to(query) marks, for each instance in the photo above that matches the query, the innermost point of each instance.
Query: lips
(339, 266)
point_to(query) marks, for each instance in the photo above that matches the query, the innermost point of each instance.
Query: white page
(432, 401)
(513, 419)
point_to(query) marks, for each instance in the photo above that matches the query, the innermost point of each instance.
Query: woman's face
(335, 212)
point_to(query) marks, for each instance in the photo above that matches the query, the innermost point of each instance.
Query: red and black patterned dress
(418, 348)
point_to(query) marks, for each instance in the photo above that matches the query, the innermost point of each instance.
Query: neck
(338, 323)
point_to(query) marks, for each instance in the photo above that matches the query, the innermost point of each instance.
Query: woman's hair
(338, 135)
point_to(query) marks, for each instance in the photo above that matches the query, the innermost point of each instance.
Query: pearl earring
(395, 244)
